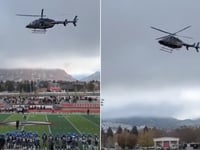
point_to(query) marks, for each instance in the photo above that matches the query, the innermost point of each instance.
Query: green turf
(4, 117)
(93, 118)
(13, 117)
(83, 125)
(61, 124)
(40, 129)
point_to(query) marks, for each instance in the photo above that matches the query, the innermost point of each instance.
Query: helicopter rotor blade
(171, 33)
(161, 30)
(41, 15)
(28, 15)
(162, 37)
(187, 37)
(182, 29)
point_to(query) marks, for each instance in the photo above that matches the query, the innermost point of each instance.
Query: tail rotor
(65, 22)
(197, 47)
(75, 20)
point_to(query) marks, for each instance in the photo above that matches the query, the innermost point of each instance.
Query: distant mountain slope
(34, 74)
(95, 76)
(164, 123)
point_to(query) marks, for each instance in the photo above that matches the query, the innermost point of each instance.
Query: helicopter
(42, 23)
(173, 42)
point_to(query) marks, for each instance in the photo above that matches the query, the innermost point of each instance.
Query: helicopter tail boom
(188, 46)
(196, 46)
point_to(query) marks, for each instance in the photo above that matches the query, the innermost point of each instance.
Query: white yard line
(72, 124)
(48, 125)
(89, 121)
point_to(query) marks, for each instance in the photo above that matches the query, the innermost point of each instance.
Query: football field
(60, 124)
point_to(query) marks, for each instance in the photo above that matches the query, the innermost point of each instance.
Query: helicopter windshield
(33, 22)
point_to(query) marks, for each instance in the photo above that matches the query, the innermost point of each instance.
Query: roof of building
(166, 139)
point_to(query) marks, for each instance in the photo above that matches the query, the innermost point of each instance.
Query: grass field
(64, 123)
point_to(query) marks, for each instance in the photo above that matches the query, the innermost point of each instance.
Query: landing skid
(164, 49)
(40, 31)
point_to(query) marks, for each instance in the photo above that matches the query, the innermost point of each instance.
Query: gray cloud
(175, 101)
(130, 54)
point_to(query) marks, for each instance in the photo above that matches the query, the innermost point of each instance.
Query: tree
(90, 86)
(20, 87)
(109, 132)
(131, 141)
(32, 86)
(10, 86)
(109, 138)
(161, 133)
(2, 86)
(145, 129)
(122, 139)
(145, 139)
(103, 137)
(134, 131)
(126, 139)
(109, 142)
(26, 86)
(119, 130)
(187, 134)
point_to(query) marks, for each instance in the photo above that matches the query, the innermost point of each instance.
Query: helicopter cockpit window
(34, 22)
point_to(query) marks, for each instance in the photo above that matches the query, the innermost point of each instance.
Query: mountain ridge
(158, 122)
(20, 74)
(95, 76)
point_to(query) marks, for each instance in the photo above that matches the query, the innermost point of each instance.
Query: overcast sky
(137, 78)
(74, 49)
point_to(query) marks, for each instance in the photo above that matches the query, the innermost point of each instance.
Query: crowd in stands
(45, 103)
(32, 140)
(43, 100)
(32, 100)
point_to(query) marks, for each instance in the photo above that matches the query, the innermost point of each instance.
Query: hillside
(34, 74)
(95, 76)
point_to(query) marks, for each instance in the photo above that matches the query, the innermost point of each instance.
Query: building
(167, 143)
(54, 89)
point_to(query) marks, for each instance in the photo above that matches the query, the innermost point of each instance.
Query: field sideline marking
(72, 124)
(89, 120)
(48, 125)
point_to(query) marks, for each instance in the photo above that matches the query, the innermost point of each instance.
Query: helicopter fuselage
(172, 42)
(42, 23)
